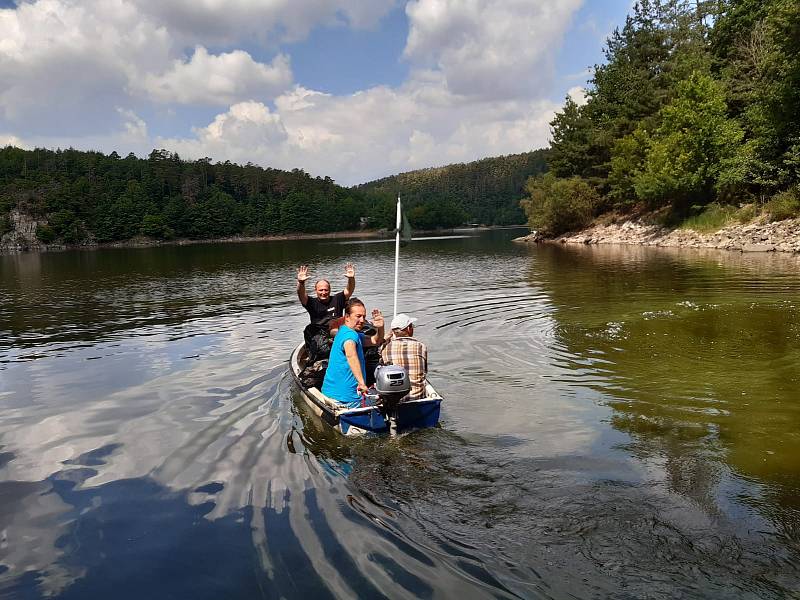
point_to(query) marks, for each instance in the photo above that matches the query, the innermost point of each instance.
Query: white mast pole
(396, 254)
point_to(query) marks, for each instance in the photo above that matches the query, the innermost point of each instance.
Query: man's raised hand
(349, 270)
(302, 273)
(377, 318)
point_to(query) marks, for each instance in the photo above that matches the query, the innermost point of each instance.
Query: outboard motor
(391, 384)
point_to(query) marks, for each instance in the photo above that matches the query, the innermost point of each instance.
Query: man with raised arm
(322, 308)
(346, 377)
(325, 307)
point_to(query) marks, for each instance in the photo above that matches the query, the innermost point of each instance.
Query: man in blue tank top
(345, 379)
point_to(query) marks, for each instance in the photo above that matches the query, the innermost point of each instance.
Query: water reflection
(698, 355)
(618, 423)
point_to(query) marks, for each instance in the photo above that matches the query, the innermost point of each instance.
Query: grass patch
(746, 213)
(784, 205)
(711, 218)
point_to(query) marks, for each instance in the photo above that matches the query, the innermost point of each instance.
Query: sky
(350, 89)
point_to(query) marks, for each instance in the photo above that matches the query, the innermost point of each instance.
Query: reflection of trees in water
(698, 354)
(563, 526)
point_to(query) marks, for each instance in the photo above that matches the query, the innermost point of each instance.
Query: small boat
(385, 417)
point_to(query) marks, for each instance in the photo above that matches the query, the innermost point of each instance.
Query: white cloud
(101, 74)
(489, 49)
(248, 130)
(227, 21)
(578, 95)
(11, 140)
(223, 79)
(370, 134)
(135, 127)
(66, 66)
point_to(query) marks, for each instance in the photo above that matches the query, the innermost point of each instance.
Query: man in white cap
(403, 350)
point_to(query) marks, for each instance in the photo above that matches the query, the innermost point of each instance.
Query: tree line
(486, 191)
(92, 197)
(696, 106)
(86, 197)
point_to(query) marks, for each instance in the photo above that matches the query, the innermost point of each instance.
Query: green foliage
(487, 191)
(572, 135)
(88, 195)
(696, 103)
(293, 216)
(432, 216)
(557, 205)
(45, 234)
(155, 226)
(784, 205)
(691, 147)
(756, 46)
(5, 223)
(67, 227)
(627, 162)
(746, 213)
(710, 218)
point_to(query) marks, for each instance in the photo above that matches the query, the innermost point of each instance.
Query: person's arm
(302, 275)
(351, 354)
(377, 322)
(350, 273)
(334, 324)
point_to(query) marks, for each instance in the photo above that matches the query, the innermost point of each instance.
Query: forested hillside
(80, 197)
(87, 196)
(696, 111)
(486, 191)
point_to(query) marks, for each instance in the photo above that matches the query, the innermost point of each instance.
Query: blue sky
(351, 89)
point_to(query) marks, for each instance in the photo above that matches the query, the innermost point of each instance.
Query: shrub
(783, 205)
(155, 226)
(556, 205)
(5, 224)
(746, 213)
(45, 234)
(710, 218)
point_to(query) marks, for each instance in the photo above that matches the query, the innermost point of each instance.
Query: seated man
(322, 309)
(346, 377)
(403, 350)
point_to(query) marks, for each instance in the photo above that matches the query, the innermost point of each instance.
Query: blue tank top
(339, 383)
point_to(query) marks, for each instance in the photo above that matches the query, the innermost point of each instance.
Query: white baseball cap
(402, 321)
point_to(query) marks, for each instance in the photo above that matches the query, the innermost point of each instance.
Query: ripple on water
(615, 425)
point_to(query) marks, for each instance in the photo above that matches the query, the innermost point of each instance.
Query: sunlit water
(619, 422)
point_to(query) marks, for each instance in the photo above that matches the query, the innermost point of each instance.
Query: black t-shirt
(321, 313)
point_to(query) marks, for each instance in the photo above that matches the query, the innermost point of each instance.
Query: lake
(618, 422)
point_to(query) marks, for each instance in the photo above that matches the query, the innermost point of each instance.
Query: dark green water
(619, 422)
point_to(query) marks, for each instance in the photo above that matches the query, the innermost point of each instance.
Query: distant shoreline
(144, 242)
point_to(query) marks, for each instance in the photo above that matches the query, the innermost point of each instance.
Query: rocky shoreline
(780, 236)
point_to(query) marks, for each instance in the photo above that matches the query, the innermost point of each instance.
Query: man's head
(323, 290)
(403, 325)
(355, 314)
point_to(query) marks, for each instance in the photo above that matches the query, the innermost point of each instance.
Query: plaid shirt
(413, 356)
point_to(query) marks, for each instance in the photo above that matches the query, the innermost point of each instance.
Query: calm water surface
(619, 422)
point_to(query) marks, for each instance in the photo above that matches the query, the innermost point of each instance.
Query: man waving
(322, 308)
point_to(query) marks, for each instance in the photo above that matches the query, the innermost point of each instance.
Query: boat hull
(413, 414)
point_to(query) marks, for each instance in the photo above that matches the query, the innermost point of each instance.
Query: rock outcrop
(23, 233)
(781, 236)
